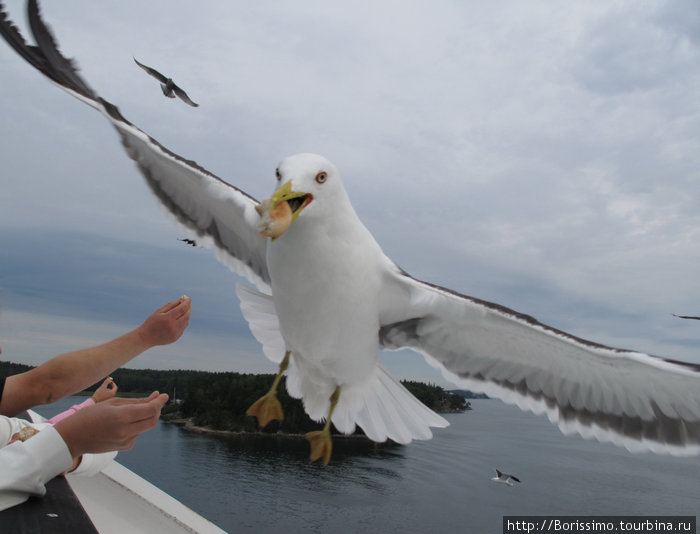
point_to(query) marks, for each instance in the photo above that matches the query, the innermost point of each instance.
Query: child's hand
(107, 390)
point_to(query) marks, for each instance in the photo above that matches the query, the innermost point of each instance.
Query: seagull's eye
(321, 177)
(277, 173)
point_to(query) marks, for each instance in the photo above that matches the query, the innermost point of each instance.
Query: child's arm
(70, 411)
(107, 390)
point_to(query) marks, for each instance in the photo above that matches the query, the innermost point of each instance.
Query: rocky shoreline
(187, 424)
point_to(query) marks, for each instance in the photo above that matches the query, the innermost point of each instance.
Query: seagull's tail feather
(259, 310)
(385, 409)
(381, 406)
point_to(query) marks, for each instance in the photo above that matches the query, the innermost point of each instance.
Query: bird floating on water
(504, 478)
(167, 85)
(327, 299)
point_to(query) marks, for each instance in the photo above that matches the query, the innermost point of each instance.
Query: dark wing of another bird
(183, 96)
(153, 72)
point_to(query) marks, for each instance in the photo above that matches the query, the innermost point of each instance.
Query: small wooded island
(216, 402)
(219, 402)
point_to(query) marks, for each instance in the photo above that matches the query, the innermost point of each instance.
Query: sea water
(439, 485)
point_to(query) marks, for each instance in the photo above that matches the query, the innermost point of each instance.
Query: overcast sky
(542, 155)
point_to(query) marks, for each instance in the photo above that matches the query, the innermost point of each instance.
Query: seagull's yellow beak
(278, 212)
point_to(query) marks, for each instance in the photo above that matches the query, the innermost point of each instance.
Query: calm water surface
(440, 485)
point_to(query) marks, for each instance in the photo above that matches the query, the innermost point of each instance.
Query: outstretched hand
(166, 324)
(112, 425)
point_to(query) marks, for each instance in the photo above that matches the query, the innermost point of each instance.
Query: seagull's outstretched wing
(219, 214)
(183, 96)
(44, 57)
(687, 316)
(153, 72)
(631, 399)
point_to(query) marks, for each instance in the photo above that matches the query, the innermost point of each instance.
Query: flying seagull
(504, 478)
(327, 299)
(686, 316)
(167, 85)
(188, 241)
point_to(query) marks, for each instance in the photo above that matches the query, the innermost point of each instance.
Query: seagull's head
(302, 179)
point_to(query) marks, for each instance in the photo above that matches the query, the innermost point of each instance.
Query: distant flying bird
(167, 85)
(686, 316)
(504, 478)
(190, 242)
(329, 299)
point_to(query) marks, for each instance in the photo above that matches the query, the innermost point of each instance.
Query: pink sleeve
(70, 411)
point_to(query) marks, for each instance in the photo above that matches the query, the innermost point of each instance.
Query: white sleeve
(91, 464)
(9, 426)
(26, 466)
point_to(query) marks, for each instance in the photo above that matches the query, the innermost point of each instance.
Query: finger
(121, 401)
(170, 306)
(185, 311)
(145, 416)
(182, 303)
(182, 309)
(145, 407)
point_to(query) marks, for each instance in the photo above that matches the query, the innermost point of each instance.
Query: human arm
(70, 411)
(74, 371)
(27, 466)
(107, 390)
(111, 425)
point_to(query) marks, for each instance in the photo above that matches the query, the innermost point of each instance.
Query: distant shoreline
(188, 425)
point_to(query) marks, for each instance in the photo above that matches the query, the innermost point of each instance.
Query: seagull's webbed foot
(321, 443)
(267, 408)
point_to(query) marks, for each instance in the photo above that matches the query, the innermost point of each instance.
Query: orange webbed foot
(321, 445)
(267, 408)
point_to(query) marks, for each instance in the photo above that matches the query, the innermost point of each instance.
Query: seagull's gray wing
(631, 399)
(220, 214)
(153, 72)
(183, 96)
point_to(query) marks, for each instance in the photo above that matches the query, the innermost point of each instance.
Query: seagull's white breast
(325, 286)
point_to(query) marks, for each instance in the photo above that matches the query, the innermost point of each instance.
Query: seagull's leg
(321, 444)
(267, 407)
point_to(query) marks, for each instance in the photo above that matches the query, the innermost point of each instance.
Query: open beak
(278, 212)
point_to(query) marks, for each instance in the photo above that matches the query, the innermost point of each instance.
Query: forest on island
(219, 400)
